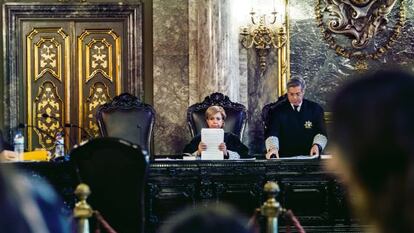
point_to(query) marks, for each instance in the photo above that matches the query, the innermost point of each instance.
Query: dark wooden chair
(267, 109)
(128, 118)
(236, 114)
(116, 172)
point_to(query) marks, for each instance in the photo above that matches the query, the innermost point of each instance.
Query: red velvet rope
(253, 224)
(102, 222)
(293, 220)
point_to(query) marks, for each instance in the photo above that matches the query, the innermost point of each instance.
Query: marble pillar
(213, 57)
(170, 59)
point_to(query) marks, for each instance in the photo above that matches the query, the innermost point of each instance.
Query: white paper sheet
(213, 138)
(304, 157)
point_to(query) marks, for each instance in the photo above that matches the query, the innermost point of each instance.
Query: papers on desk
(302, 157)
(213, 138)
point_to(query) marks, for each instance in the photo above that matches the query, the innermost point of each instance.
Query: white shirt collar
(299, 106)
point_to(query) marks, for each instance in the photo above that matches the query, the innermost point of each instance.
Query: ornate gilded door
(71, 68)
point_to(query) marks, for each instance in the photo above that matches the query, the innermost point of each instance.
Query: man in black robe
(296, 125)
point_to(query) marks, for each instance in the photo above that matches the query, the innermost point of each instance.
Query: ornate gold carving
(99, 94)
(361, 21)
(86, 48)
(263, 37)
(47, 52)
(34, 50)
(48, 101)
(99, 59)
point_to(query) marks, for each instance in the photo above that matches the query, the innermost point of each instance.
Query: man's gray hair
(294, 82)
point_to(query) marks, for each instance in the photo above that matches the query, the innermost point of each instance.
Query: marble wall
(195, 54)
(171, 88)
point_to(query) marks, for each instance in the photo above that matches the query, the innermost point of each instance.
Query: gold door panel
(71, 68)
(99, 69)
(47, 75)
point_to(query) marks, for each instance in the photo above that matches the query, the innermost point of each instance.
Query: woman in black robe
(232, 147)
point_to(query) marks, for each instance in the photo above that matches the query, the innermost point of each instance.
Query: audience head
(215, 116)
(373, 131)
(295, 90)
(211, 219)
(29, 205)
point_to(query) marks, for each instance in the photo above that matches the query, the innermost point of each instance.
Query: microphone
(45, 115)
(68, 125)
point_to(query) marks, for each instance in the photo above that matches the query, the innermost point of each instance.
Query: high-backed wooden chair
(116, 172)
(128, 118)
(236, 114)
(267, 109)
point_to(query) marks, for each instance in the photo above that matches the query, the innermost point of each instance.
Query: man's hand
(7, 155)
(223, 147)
(314, 150)
(272, 151)
(201, 147)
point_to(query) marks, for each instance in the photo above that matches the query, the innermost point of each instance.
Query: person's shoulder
(280, 105)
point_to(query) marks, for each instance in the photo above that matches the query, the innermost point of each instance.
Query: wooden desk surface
(313, 194)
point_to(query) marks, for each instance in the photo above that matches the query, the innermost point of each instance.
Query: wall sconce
(264, 36)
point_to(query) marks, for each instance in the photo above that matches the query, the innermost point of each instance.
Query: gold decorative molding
(283, 54)
(98, 57)
(47, 54)
(359, 21)
(98, 95)
(39, 58)
(48, 101)
(97, 60)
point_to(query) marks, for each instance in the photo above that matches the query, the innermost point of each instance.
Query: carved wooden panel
(69, 84)
(47, 80)
(99, 65)
(42, 74)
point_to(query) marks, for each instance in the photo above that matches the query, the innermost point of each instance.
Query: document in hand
(213, 138)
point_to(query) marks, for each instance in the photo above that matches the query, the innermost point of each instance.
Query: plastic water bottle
(59, 146)
(19, 144)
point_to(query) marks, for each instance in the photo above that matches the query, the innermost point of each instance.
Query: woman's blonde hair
(213, 110)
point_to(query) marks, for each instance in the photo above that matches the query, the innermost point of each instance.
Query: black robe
(296, 130)
(232, 141)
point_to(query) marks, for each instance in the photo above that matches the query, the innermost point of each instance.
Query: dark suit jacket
(296, 130)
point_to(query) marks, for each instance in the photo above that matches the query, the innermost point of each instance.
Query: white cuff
(233, 155)
(272, 142)
(321, 140)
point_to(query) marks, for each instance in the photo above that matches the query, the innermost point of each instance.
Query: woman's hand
(8, 155)
(201, 147)
(271, 152)
(222, 147)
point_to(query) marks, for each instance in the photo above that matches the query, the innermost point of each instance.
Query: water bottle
(59, 146)
(19, 144)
